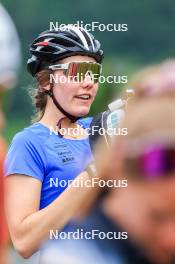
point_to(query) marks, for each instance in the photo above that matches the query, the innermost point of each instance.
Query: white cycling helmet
(10, 53)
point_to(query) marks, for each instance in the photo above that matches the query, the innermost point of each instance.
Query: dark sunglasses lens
(153, 164)
(157, 163)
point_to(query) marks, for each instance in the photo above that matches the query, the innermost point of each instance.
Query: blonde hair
(153, 104)
(155, 80)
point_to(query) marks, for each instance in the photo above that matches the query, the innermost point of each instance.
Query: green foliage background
(150, 39)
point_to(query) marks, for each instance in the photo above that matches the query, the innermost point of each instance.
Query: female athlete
(40, 161)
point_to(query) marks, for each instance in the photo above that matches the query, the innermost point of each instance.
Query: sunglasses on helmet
(79, 70)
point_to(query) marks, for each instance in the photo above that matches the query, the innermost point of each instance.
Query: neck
(52, 115)
(51, 118)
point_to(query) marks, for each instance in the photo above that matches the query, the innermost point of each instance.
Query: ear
(47, 87)
(44, 88)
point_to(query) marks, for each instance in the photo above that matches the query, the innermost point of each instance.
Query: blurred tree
(150, 36)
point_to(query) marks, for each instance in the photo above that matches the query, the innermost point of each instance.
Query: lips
(84, 96)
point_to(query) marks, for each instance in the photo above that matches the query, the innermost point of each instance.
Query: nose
(87, 82)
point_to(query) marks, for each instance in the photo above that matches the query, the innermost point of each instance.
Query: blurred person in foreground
(9, 64)
(146, 208)
(147, 157)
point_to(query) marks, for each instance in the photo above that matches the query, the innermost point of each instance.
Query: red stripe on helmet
(43, 43)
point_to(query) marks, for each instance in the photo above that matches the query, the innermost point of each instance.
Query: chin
(82, 112)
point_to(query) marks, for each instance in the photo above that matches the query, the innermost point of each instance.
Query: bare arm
(30, 227)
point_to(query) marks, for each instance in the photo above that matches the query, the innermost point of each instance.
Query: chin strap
(71, 117)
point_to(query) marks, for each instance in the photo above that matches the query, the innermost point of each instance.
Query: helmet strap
(72, 118)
